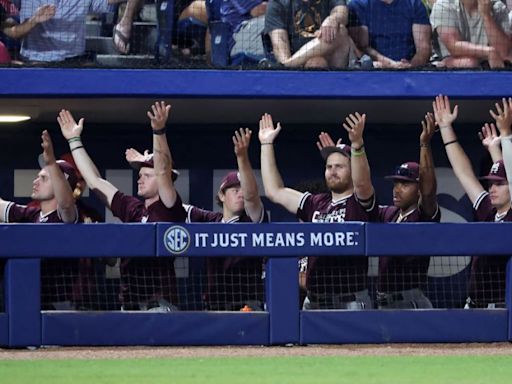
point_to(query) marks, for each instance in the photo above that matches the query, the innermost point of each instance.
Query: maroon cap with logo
(149, 163)
(497, 172)
(409, 171)
(231, 179)
(344, 149)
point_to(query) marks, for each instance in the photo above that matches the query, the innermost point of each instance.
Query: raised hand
(489, 136)
(442, 111)
(132, 155)
(159, 114)
(325, 140)
(47, 145)
(44, 13)
(68, 125)
(428, 126)
(267, 132)
(503, 116)
(241, 141)
(354, 125)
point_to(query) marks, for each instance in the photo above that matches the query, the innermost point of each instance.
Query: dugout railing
(24, 245)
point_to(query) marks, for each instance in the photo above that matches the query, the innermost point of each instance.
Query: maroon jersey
(335, 275)
(488, 273)
(15, 213)
(232, 281)
(406, 272)
(146, 279)
(130, 209)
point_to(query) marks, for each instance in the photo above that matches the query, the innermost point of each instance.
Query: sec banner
(290, 239)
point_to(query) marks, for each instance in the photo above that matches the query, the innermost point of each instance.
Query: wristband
(450, 142)
(424, 145)
(73, 139)
(357, 149)
(267, 143)
(80, 146)
(360, 152)
(159, 131)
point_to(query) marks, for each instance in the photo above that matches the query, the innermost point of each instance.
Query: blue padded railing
(24, 324)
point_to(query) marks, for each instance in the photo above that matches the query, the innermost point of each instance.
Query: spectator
(161, 203)
(468, 33)
(487, 281)
(332, 282)
(310, 33)
(246, 19)
(62, 37)
(394, 33)
(11, 29)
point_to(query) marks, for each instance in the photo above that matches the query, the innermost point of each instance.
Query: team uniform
(488, 273)
(145, 282)
(402, 279)
(232, 281)
(336, 282)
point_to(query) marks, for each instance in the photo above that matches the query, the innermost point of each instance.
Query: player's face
(42, 188)
(405, 194)
(233, 200)
(147, 186)
(338, 177)
(499, 194)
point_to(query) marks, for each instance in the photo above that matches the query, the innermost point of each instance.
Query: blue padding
(97, 240)
(23, 301)
(428, 239)
(51, 82)
(4, 329)
(143, 328)
(281, 279)
(276, 239)
(428, 326)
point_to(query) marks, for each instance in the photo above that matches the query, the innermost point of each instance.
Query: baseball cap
(409, 171)
(230, 180)
(344, 149)
(67, 169)
(497, 172)
(149, 163)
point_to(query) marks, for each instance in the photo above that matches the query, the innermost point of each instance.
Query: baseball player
(487, 281)
(54, 203)
(146, 283)
(401, 279)
(235, 282)
(332, 282)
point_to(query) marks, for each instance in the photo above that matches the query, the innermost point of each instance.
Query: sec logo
(176, 239)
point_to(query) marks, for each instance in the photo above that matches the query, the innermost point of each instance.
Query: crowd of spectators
(285, 33)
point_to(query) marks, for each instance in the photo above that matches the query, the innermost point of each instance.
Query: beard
(337, 185)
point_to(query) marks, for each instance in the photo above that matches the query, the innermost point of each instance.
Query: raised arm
(428, 181)
(252, 200)
(162, 154)
(72, 131)
(354, 125)
(491, 141)
(272, 181)
(458, 158)
(61, 188)
(503, 117)
(42, 14)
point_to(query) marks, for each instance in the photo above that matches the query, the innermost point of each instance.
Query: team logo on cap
(495, 168)
(176, 239)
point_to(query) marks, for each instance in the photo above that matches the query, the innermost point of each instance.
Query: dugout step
(134, 61)
(93, 28)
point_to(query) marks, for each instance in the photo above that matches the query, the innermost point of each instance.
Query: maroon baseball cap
(409, 171)
(497, 172)
(231, 179)
(148, 163)
(344, 149)
(67, 169)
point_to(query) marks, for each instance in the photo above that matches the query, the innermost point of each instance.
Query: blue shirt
(63, 36)
(389, 25)
(234, 12)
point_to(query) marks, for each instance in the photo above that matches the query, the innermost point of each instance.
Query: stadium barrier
(24, 245)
